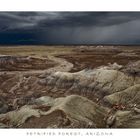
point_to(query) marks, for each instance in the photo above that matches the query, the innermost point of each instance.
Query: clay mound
(56, 119)
(129, 97)
(69, 109)
(14, 63)
(69, 112)
(127, 119)
(18, 117)
(89, 113)
(133, 68)
(99, 82)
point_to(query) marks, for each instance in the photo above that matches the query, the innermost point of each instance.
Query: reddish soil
(96, 58)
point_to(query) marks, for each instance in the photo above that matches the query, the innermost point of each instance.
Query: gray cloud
(70, 27)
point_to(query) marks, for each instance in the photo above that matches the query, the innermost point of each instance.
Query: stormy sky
(117, 28)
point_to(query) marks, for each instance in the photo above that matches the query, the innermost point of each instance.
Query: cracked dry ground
(54, 92)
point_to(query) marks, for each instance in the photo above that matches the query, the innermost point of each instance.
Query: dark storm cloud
(69, 27)
(91, 19)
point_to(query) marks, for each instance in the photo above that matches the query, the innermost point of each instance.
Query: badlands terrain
(70, 87)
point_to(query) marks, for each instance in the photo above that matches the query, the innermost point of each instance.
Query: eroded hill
(53, 92)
